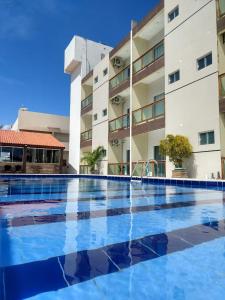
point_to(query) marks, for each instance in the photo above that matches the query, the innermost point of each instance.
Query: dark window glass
(207, 138)
(96, 79)
(174, 77)
(105, 72)
(204, 61)
(95, 117)
(39, 156)
(104, 112)
(17, 154)
(157, 154)
(173, 14)
(6, 154)
(56, 156)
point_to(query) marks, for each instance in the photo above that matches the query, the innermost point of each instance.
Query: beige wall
(192, 103)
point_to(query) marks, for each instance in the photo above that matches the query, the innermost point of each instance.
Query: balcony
(149, 117)
(119, 127)
(221, 16)
(86, 138)
(149, 62)
(221, 6)
(119, 82)
(86, 104)
(119, 169)
(222, 92)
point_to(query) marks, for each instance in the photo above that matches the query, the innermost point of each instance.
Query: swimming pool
(80, 238)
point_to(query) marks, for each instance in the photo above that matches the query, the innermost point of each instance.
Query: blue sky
(33, 36)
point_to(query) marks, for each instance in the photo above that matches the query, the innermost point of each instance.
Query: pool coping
(188, 182)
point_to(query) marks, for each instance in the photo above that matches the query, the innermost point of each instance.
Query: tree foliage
(93, 158)
(177, 148)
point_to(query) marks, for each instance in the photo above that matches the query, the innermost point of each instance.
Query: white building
(176, 86)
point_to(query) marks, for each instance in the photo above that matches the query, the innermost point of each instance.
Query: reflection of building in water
(84, 234)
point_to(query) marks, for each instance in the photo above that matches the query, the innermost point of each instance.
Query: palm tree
(93, 158)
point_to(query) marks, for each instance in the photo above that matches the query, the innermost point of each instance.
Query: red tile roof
(34, 139)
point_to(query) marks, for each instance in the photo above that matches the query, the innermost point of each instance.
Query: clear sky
(33, 36)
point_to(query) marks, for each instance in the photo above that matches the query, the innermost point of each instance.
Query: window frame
(105, 72)
(104, 110)
(173, 73)
(172, 13)
(95, 117)
(204, 58)
(96, 80)
(207, 137)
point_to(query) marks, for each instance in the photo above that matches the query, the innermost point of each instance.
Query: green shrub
(177, 148)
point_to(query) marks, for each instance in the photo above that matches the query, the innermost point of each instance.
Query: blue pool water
(105, 239)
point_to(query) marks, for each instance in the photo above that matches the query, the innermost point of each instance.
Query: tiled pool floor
(102, 239)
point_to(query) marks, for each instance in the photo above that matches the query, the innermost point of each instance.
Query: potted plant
(93, 158)
(177, 148)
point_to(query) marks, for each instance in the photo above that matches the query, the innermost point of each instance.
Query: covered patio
(30, 152)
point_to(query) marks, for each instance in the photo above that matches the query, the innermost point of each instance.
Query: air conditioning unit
(117, 100)
(115, 143)
(118, 62)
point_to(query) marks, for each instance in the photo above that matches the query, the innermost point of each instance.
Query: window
(11, 154)
(204, 61)
(47, 156)
(157, 154)
(104, 112)
(96, 79)
(206, 138)
(95, 117)
(173, 77)
(173, 14)
(105, 72)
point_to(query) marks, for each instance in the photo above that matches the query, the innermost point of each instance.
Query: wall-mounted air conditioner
(118, 62)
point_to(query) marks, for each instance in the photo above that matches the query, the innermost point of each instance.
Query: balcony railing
(148, 112)
(119, 169)
(149, 57)
(152, 170)
(86, 135)
(122, 122)
(87, 101)
(123, 76)
(157, 170)
(222, 86)
(85, 169)
(221, 4)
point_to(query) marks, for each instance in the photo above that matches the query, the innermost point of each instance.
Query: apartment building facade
(167, 76)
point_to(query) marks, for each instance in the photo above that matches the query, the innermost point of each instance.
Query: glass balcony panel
(112, 126)
(120, 78)
(148, 58)
(119, 123)
(126, 121)
(137, 66)
(137, 115)
(222, 7)
(147, 113)
(159, 108)
(87, 101)
(222, 80)
(159, 51)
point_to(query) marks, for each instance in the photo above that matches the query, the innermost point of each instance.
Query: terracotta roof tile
(35, 139)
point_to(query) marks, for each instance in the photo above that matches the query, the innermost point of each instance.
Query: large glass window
(47, 156)
(11, 154)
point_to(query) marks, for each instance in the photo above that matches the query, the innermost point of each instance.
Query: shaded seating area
(30, 152)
